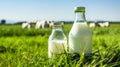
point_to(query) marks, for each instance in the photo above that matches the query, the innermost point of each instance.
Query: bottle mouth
(57, 26)
(57, 23)
(79, 9)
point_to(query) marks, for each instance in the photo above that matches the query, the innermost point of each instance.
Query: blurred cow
(92, 25)
(46, 24)
(42, 24)
(51, 24)
(26, 25)
(105, 24)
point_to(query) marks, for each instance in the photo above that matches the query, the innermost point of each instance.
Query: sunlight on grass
(29, 48)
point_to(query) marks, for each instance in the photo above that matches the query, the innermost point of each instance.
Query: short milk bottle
(57, 43)
(80, 36)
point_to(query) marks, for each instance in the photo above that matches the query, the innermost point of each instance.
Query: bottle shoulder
(80, 29)
(57, 35)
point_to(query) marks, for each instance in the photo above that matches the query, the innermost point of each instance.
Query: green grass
(29, 48)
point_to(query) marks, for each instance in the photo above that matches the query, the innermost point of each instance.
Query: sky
(32, 10)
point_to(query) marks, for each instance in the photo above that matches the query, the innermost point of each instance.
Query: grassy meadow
(29, 48)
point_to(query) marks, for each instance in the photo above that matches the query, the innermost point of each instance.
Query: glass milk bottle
(80, 36)
(57, 42)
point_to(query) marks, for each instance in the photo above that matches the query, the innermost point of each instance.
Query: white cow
(42, 24)
(26, 25)
(105, 24)
(51, 24)
(92, 25)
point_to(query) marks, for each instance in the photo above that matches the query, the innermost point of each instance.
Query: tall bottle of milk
(80, 36)
(57, 42)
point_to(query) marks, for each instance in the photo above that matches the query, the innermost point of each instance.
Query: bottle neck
(80, 17)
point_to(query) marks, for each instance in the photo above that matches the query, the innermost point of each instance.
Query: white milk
(80, 39)
(56, 47)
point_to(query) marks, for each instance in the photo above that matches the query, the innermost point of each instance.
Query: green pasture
(29, 48)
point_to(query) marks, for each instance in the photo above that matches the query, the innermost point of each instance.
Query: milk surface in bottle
(80, 36)
(57, 42)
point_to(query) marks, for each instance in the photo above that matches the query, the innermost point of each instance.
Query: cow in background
(47, 24)
(42, 24)
(99, 24)
(26, 25)
(51, 24)
(105, 24)
(92, 25)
